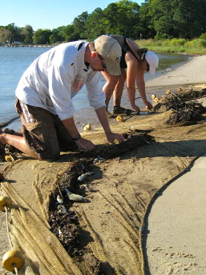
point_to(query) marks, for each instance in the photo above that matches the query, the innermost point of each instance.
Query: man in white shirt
(44, 97)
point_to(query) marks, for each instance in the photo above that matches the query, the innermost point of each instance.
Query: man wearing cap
(45, 91)
(136, 61)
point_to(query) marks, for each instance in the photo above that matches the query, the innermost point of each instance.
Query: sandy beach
(191, 72)
(146, 208)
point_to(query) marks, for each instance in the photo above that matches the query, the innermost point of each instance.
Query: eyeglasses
(147, 67)
(103, 62)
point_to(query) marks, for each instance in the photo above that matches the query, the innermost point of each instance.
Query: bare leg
(117, 95)
(17, 142)
(12, 132)
(109, 86)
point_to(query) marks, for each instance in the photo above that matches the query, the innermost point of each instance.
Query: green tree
(178, 18)
(162, 14)
(27, 34)
(189, 18)
(69, 33)
(79, 25)
(110, 20)
(146, 28)
(128, 18)
(15, 32)
(121, 18)
(42, 36)
(94, 26)
(57, 35)
(5, 35)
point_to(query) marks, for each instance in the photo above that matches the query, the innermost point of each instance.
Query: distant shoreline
(26, 46)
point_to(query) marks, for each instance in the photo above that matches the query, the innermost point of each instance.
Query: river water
(14, 61)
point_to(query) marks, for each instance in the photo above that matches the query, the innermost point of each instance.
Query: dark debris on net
(184, 110)
(186, 113)
(74, 186)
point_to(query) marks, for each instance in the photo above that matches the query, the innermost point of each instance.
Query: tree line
(156, 19)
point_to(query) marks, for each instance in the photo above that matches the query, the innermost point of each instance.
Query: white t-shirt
(56, 76)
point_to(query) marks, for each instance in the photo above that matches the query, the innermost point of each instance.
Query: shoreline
(26, 46)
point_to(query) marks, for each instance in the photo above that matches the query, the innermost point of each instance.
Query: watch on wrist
(77, 137)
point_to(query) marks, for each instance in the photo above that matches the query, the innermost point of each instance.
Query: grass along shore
(179, 45)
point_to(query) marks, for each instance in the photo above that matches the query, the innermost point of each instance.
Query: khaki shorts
(44, 132)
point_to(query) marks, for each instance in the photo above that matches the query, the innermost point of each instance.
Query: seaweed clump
(185, 109)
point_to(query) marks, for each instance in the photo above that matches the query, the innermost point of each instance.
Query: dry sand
(121, 196)
(191, 72)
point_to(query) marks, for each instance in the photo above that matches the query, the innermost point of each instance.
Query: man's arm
(82, 143)
(102, 116)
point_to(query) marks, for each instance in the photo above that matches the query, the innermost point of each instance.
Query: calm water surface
(14, 61)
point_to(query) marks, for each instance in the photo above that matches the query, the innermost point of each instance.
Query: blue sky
(47, 14)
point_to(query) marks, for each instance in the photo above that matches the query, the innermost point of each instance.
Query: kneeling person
(45, 91)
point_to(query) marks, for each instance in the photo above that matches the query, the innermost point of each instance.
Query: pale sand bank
(191, 72)
(176, 240)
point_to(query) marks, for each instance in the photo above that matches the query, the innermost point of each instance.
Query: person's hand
(136, 108)
(148, 105)
(85, 145)
(111, 137)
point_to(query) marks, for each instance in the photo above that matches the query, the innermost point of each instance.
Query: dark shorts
(44, 132)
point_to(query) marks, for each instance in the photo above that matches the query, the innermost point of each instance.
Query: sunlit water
(14, 61)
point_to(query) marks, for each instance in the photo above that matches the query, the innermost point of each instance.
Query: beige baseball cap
(109, 49)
